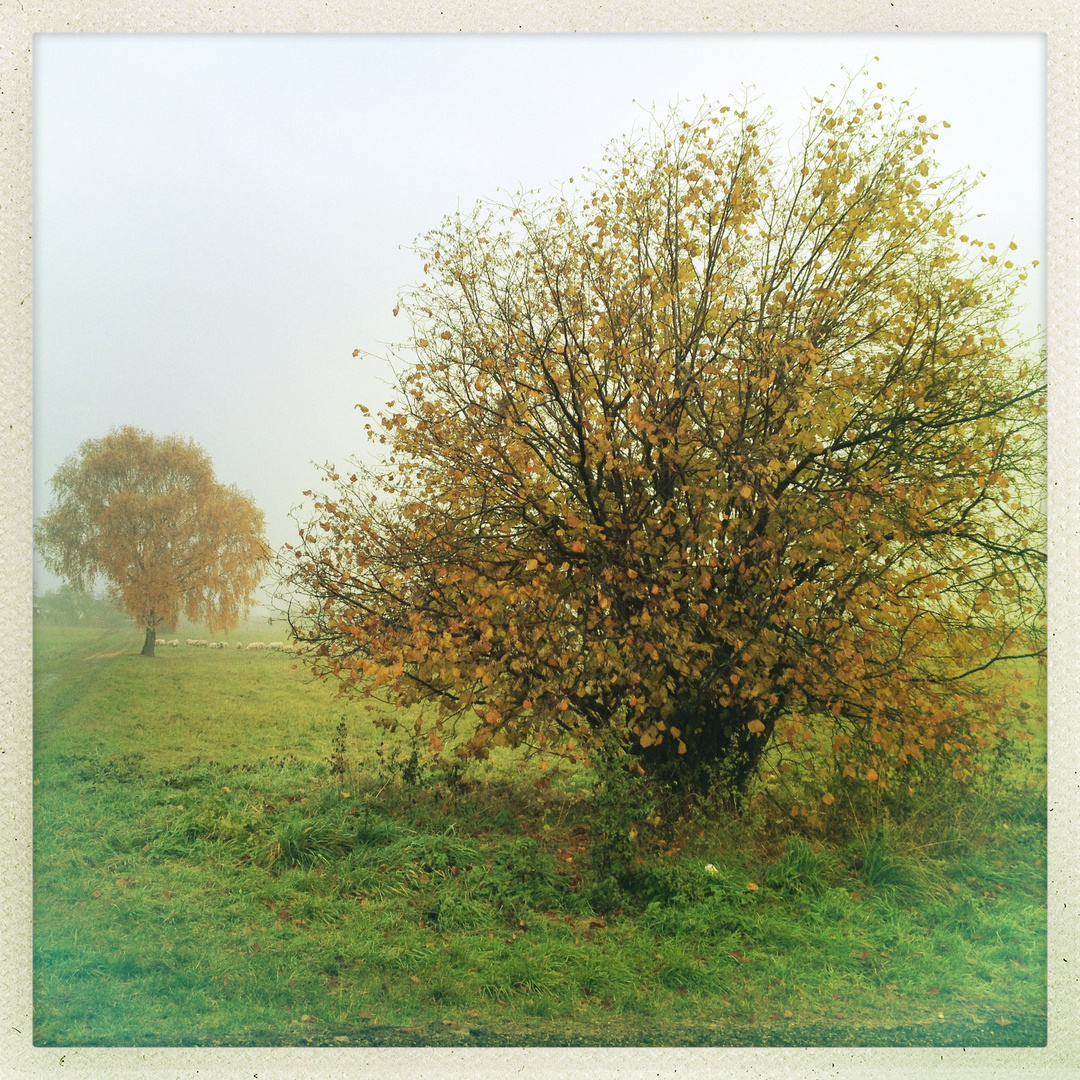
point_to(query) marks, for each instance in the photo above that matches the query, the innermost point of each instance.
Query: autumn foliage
(148, 516)
(737, 448)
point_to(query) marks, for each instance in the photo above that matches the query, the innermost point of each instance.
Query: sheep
(174, 644)
(198, 643)
(257, 645)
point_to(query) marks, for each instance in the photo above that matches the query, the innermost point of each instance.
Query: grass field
(226, 854)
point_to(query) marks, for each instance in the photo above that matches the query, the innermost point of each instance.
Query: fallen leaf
(752, 886)
(341, 1039)
(342, 1017)
(682, 991)
(307, 1018)
(363, 1016)
(1002, 1021)
(413, 978)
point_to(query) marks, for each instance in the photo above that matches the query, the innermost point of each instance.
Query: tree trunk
(151, 640)
(722, 755)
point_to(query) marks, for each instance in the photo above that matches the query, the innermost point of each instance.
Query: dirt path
(1021, 1032)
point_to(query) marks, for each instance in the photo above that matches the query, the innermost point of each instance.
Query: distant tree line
(66, 606)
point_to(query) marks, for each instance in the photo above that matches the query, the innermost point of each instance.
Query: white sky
(219, 221)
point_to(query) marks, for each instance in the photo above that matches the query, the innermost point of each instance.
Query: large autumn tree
(148, 516)
(736, 446)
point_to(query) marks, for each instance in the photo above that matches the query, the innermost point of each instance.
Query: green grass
(201, 876)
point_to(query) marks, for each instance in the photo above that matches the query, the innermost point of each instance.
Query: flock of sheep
(256, 646)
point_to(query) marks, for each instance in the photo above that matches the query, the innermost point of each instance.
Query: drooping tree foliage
(738, 446)
(148, 516)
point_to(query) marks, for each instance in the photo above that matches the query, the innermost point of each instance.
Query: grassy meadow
(226, 854)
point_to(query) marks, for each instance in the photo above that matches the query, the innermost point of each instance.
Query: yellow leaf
(871, 775)
(828, 799)
(756, 726)
(746, 491)
(752, 886)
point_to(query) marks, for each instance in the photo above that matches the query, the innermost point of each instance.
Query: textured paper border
(19, 21)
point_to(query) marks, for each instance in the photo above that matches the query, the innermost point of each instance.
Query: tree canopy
(736, 446)
(148, 515)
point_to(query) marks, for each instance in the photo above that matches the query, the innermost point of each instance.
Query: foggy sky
(221, 220)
